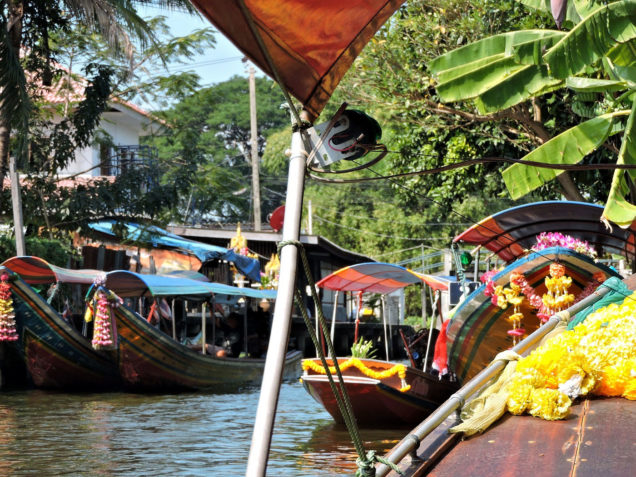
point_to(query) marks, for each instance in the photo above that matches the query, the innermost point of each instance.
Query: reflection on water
(194, 434)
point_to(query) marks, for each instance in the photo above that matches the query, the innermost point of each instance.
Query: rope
(366, 466)
(366, 460)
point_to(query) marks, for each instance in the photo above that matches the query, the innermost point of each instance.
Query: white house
(123, 122)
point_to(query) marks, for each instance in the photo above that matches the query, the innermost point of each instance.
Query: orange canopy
(312, 43)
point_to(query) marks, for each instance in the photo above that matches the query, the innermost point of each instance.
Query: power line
(415, 224)
(426, 239)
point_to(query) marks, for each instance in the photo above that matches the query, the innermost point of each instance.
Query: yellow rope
(398, 369)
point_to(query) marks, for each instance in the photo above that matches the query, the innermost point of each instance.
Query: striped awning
(376, 277)
(36, 271)
(513, 231)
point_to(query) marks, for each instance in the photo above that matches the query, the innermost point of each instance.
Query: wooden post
(16, 199)
(256, 183)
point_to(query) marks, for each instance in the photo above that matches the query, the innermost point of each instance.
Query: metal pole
(386, 339)
(16, 199)
(275, 360)
(471, 387)
(423, 288)
(333, 316)
(256, 182)
(430, 330)
(310, 223)
(174, 324)
(203, 337)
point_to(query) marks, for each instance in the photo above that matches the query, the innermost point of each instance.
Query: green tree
(593, 62)
(210, 131)
(26, 28)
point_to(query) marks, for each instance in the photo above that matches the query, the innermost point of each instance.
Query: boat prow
(382, 393)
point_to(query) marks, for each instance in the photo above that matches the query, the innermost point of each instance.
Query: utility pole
(256, 183)
(16, 199)
(310, 223)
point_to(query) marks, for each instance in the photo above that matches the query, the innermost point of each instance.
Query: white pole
(256, 182)
(275, 360)
(310, 220)
(16, 199)
(430, 330)
(333, 316)
(203, 337)
(386, 340)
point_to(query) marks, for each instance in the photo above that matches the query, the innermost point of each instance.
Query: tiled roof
(70, 88)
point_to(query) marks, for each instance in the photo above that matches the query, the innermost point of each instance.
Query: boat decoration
(598, 356)
(381, 392)
(8, 330)
(104, 328)
(53, 350)
(557, 284)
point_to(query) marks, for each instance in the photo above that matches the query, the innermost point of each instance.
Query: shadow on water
(187, 434)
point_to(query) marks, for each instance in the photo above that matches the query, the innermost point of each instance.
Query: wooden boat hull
(478, 329)
(379, 402)
(149, 360)
(597, 439)
(55, 354)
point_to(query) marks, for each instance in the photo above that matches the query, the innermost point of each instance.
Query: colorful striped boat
(381, 392)
(56, 355)
(477, 330)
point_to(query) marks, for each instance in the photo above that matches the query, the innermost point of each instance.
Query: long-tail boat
(382, 392)
(576, 371)
(54, 351)
(529, 239)
(152, 360)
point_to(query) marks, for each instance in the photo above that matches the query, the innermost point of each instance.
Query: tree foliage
(210, 132)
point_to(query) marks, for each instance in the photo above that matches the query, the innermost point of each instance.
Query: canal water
(191, 434)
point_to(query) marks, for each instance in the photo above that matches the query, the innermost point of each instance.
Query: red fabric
(440, 358)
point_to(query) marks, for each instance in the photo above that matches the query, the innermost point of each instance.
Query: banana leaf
(621, 61)
(486, 48)
(511, 75)
(568, 147)
(593, 85)
(531, 80)
(593, 38)
(617, 208)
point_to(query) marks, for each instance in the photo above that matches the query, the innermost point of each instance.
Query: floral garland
(554, 300)
(8, 330)
(398, 369)
(597, 357)
(104, 328)
(557, 239)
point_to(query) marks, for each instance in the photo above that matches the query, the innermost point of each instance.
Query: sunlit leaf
(568, 147)
(593, 85)
(593, 38)
(617, 208)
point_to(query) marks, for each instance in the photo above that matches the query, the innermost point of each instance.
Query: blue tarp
(160, 238)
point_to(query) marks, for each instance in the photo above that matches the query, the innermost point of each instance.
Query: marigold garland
(598, 356)
(8, 331)
(398, 369)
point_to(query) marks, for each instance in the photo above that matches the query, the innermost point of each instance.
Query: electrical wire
(415, 193)
(468, 163)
